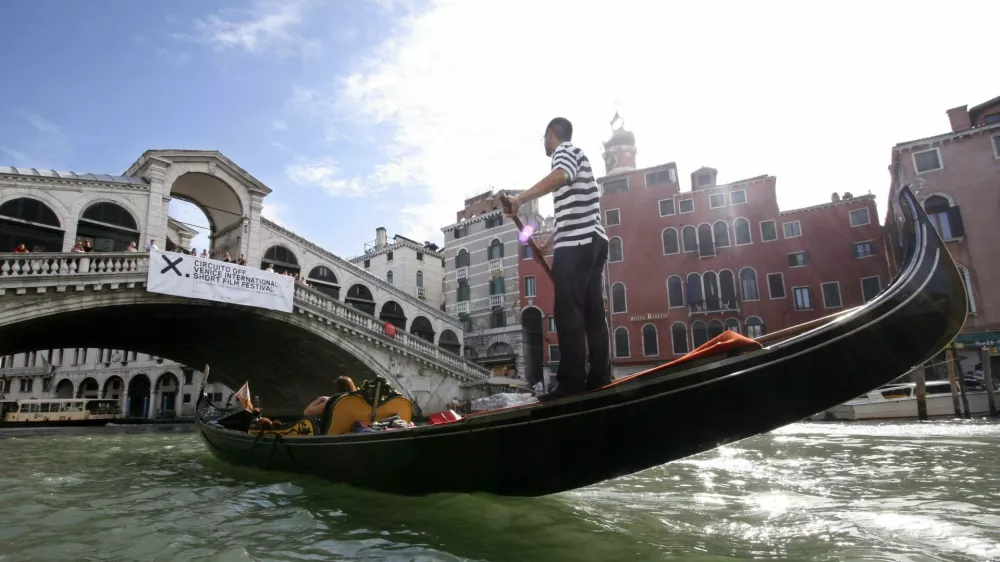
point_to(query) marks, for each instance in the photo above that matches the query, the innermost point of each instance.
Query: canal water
(811, 491)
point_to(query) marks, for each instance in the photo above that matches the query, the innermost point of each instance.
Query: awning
(976, 341)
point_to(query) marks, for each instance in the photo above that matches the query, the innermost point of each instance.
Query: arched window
(420, 279)
(675, 292)
(946, 219)
(283, 260)
(324, 280)
(727, 290)
(621, 342)
(755, 327)
(670, 243)
(706, 246)
(695, 296)
(618, 303)
(748, 284)
(388, 277)
(496, 249)
(721, 231)
(699, 334)
(967, 281)
(679, 337)
(714, 329)
(650, 341)
(108, 227)
(462, 258)
(463, 290)
(34, 224)
(733, 325)
(710, 281)
(615, 253)
(111, 213)
(741, 227)
(690, 236)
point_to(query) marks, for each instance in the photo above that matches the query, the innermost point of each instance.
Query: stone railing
(72, 264)
(361, 272)
(37, 266)
(316, 299)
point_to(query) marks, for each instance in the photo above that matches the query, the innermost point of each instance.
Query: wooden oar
(803, 327)
(535, 252)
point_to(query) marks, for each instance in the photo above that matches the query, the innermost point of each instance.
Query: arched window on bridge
(29, 222)
(449, 342)
(422, 328)
(392, 312)
(324, 280)
(283, 260)
(360, 297)
(108, 227)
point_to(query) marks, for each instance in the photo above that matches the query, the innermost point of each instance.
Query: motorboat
(728, 389)
(899, 401)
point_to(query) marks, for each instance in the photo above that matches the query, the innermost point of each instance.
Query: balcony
(462, 307)
(421, 293)
(496, 300)
(714, 305)
(496, 265)
(462, 273)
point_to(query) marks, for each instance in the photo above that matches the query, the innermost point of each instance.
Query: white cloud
(41, 124)
(19, 157)
(266, 28)
(279, 125)
(274, 212)
(814, 95)
(325, 173)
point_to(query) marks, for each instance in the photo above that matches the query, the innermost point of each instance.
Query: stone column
(251, 236)
(159, 199)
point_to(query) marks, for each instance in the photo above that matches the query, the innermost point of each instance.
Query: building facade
(956, 177)
(685, 265)
(146, 387)
(417, 269)
(481, 286)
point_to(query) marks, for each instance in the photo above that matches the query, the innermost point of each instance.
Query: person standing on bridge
(580, 248)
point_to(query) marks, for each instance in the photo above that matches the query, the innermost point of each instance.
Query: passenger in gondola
(342, 385)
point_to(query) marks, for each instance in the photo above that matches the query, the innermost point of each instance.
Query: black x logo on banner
(172, 265)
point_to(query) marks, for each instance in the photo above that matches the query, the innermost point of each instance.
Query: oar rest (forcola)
(342, 411)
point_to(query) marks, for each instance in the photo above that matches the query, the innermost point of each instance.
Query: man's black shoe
(560, 391)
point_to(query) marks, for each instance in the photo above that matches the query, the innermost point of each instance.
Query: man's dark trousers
(580, 316)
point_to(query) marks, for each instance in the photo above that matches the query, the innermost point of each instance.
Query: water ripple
(887, 491)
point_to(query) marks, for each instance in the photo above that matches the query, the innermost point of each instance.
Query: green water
(891, 491)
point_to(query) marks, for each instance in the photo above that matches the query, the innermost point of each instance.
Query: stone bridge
(99, 299)
(55, 298)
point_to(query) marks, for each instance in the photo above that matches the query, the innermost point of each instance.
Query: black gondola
(661, 415)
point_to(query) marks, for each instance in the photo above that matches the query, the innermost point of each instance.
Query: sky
(368, 113)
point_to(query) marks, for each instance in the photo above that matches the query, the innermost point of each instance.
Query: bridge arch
(282, 258)
(65, 389)
(30, 221)
(360, 297)
(218, 195)
(108, 226)
(165, 395)
(324, 279)
(449, 341)
(422, 328)
(89, 388)
(392, 312)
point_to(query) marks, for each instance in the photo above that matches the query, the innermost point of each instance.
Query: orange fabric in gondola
(726, 342)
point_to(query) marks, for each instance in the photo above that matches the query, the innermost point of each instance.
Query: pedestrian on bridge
(580, 248)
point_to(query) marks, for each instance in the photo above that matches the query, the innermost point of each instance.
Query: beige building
(414, 268)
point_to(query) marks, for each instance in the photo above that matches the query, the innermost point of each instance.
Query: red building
(685, 265)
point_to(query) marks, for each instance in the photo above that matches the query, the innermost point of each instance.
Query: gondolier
(580, 248)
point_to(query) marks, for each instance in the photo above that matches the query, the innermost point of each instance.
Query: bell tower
(619, 150)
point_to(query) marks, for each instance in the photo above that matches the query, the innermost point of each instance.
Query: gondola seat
(344, 410)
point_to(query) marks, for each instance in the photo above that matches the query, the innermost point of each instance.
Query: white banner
(200, 278)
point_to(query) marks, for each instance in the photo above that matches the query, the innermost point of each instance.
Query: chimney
(380, 238)
(835, 198)
(959, 117)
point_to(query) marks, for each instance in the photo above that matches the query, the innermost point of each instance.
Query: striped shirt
(578, 201)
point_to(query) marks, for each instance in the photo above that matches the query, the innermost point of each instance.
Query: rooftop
(10, 170)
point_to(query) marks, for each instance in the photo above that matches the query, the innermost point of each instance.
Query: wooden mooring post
(919, 376)
(988, 380)
(953, 383)
(961, 385)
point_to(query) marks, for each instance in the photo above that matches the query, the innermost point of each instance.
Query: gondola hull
(651, 419)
